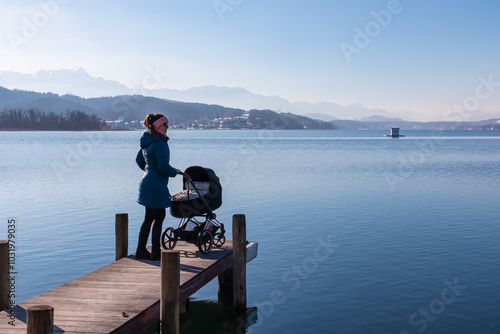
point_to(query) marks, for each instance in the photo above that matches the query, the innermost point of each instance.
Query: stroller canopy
(202, 174)
(213, 198)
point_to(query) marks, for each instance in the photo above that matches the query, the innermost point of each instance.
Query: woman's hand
(186, 176)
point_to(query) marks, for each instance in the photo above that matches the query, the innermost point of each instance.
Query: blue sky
(419, 56)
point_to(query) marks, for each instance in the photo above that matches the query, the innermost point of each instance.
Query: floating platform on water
(394, 133)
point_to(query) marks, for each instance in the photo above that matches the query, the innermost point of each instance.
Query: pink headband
(160, 121)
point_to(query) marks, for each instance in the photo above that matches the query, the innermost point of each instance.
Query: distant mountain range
(76, 82)
(135, 107)
(127, 107)
(110, 100)
(380, 124)
(79, 83)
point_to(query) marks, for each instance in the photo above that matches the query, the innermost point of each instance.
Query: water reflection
(211, 317)
(205, 316)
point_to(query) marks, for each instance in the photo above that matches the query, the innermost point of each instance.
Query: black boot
(142, 252)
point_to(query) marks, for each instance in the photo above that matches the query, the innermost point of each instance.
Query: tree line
(32, 119)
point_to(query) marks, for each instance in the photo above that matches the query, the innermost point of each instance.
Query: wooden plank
(122, 297)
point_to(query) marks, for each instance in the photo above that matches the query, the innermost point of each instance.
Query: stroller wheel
(205, 242)
(219, 239)
(169, 238)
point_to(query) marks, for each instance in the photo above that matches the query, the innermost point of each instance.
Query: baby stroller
(194, 205)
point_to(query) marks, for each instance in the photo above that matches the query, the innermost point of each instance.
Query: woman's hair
(148, 122)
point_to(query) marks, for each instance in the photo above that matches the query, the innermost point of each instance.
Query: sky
(408, 56)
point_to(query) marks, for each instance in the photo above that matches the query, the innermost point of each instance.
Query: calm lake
(357, 233)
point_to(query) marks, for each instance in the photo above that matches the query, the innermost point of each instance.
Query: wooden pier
(129, 295)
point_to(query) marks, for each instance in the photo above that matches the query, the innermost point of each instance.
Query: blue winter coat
(154, 159)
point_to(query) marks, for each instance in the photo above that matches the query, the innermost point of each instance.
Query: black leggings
(153, 217)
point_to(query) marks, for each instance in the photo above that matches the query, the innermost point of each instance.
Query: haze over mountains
(78, 82)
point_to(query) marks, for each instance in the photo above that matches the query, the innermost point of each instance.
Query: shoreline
(36, 130)
(226, 129)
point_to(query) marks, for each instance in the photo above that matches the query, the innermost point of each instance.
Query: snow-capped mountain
(78, 82)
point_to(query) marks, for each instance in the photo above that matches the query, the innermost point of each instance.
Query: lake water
(357, 233)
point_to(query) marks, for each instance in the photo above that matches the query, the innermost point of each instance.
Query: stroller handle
(184, 175)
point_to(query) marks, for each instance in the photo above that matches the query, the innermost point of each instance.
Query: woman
(154, 159)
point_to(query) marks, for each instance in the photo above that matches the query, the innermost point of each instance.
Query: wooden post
(40, 319)
(121, 235)
(239, 263)
(4, 275)
(170, 292)
(226, 287)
